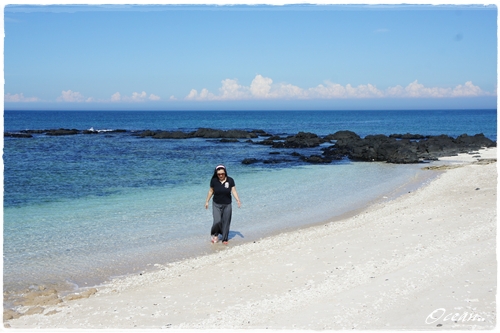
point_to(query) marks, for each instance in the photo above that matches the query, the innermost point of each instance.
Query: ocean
(79, 210)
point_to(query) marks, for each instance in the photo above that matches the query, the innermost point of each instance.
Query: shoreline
(192, 282)
(46, 293)
(196, 246)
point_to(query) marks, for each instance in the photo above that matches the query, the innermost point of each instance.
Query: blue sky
(250, 57)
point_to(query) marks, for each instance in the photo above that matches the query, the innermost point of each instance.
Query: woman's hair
(217, 168)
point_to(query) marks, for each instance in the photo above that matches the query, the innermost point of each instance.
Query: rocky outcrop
(409, 136)
(206, 133)
(35, 131)
(303, 140)
(376, 148)
(402, 149)
(473, 142)
(300, 140)
(62, 131)
(342, 136)
(219, 134)
(170, 135)
(17, 135)
(395, 148)
(250, 161)
(58, 132)
(316, 159)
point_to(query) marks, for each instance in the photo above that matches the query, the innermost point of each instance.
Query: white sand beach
(425, 260)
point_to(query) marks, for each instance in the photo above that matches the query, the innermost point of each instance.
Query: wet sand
(425, 260)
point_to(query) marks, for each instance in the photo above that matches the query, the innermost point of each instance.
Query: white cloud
(334, 90)
(19, 98)
(116, 97)
(263, 88)
(416, 89)
(260, 88)
(204, 95)
(71, 97)
(193, 94)
(330, 90)
(135, 97)
(232, 90)
(395, 91)
(288, 91)
(466, 90)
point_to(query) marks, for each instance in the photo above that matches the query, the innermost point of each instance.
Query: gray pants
(222, 220)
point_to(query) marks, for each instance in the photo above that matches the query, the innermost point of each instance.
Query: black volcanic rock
(300, 140)
(207, 133)
(316, 159)
(474, 142)
(407, 148)
(408, 136)
(332, 153)
(171, 135)
(260, 133)
(379, 148)
(396, 148)
(403, 155)
(62, 131)
(343, 135)
(146, 133)
(219, 134)
(276, 161)
(34, 131)
(249, 161)
(303, 140)
(438, 146)
(17, 135)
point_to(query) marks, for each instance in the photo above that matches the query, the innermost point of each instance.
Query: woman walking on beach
(221, 187)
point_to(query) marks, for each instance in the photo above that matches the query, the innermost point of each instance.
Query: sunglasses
(221, 173)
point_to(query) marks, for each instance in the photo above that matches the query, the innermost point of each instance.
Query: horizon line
(250, 110)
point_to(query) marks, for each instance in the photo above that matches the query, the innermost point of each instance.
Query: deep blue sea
(81, 209)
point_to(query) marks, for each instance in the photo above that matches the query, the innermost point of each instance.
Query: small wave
(100, 130)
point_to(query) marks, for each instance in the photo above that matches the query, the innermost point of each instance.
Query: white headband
(220, 166)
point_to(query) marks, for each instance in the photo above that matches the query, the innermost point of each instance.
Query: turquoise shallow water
(88, 239)
(80, 209)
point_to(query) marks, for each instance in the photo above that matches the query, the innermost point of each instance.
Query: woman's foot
(215, 239)
(225, 242)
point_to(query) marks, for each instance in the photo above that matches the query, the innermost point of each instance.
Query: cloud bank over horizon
(15, 98)
(263, 88)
